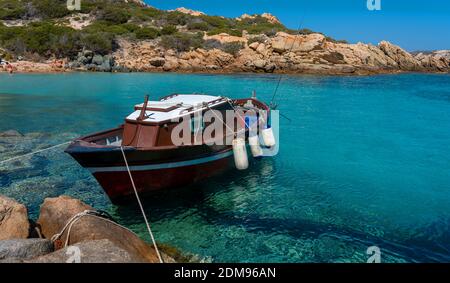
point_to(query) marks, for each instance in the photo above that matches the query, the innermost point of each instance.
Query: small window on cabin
(197, 124)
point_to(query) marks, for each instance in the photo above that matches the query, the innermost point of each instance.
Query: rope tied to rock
(141, 207)
(88, 213)
(78, 216)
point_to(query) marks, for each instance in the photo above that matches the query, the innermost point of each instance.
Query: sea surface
(363, 161)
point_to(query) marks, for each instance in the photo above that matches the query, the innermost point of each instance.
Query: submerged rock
(56, 212)
(19, 249)
(91, 251)
(10, 133)
(13, 219)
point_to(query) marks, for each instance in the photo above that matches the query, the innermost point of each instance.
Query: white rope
(31, 153)
(141, 207)
(78, 216)
(69, 224)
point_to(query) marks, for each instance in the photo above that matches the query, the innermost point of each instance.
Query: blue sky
(413, 24)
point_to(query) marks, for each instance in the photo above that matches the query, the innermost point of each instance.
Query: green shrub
(147, 33)
(212, 44)
(303, 31)
(217, 22)
(175, 18)
(131, 27)
(260, 39)
(145, 14)
(11, 9)
(232, 48)
(269, 30)
(198, 26)
(169, 29)
(260, 25)
(51, 9)
(233, 32)
(115, 15)
(330, 39)
(117, 30)
(99, 42)
(182, 41)
(43, 38)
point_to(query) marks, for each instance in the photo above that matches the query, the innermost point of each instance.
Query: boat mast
(144, 108)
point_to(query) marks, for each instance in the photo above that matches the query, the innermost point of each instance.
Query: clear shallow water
(365, 161)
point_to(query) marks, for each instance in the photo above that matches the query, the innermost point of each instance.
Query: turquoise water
(365, 161)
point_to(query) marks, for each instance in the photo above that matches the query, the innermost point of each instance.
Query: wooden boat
(155, 162)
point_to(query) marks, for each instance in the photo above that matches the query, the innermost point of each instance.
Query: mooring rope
(32, 153)
(141, 207)
(91, 213)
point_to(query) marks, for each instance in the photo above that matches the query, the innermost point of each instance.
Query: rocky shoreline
(131, 36)
(283, 53)
(89, 239)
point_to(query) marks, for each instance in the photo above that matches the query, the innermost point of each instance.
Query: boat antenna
(272, 105)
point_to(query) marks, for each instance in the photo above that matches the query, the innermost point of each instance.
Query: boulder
(10, 133)
(254, 45)
(212, 67)
(91, 67)
(261, 49)
(333, 57)
(88, 54)
(225, 38)
(97, 60)
(170, 64)
(74, 65)
(284, 42)
(404, 59)
(270, 67)
(437, 60)
(55, 213)
(13, 220)
(83, 60)
(107, 64)
(24, 248)
(260, 63)
(119, 69)
(90, 251)
(105, 67)
(220, 58)
(157, 61)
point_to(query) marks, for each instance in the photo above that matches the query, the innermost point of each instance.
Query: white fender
(254, 146)
(268, 137)
(240, 154)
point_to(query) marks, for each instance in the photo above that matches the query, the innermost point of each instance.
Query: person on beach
(9, 68)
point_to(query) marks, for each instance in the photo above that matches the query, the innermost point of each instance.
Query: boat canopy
(174, 106)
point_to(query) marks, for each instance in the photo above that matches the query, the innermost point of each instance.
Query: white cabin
(175, 106)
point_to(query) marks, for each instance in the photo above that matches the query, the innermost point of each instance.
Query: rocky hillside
(283, 52)
(125, 35)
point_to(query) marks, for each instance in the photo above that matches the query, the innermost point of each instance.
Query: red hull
(117, 185)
